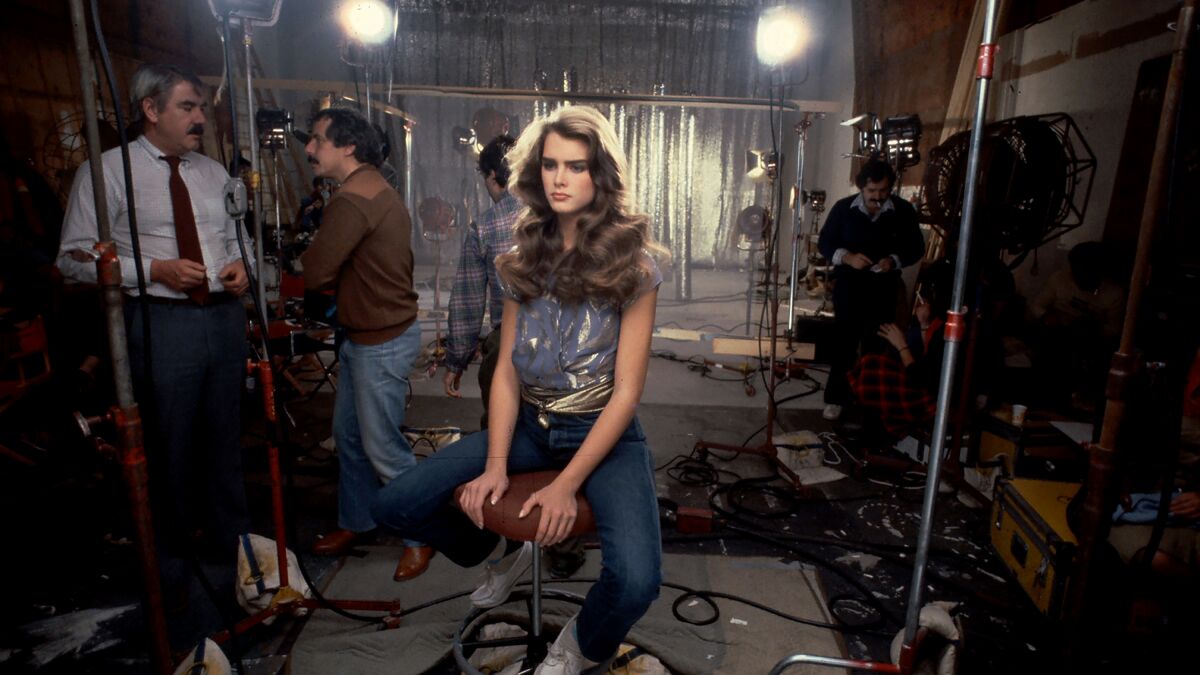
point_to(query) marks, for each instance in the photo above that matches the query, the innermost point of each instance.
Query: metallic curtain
(687, 164)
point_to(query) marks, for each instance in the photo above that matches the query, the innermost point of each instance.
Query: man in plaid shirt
(476, 284)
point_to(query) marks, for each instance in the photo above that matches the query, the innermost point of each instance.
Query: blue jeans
(194, 448)
(367, 415)
(620, 491)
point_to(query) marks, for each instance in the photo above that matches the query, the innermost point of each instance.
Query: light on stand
(437, 222)
(781, 35)
(274, 127)
(867, 130)
(368, 24)
(762, 165)
(367, 21)
(248, 13)
(464, 140)
(901, 137)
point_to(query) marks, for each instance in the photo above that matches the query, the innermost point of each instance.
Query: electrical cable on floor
(694, 472)
(700, 473)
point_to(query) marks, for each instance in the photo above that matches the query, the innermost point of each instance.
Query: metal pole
(391, 59)
(954, 328)
(797, 222)
(367, 89)
(1098, 505)
(255, 176)
(688, 205)
(278, 222)
(125, 415)
(855, 664)
(408, 165)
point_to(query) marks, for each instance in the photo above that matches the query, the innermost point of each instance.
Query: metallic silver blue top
(565, 348)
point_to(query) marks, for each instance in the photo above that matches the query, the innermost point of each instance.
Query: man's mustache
(196, 130)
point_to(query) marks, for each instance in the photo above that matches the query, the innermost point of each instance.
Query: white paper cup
(1018, 415)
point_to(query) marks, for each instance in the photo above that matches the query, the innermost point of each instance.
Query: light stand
(248, 13)
(816, 205)
(437, 222)
(125, 415)
(955, 327)
(275, 127)
(286, 599)
(764, 164)
(368, 24)
(752, 225)
(255, 175)
(797, 221)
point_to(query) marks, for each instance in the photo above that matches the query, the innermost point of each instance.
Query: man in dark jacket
(869, 238)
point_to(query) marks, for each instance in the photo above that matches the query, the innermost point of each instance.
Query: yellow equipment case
(1031, 535)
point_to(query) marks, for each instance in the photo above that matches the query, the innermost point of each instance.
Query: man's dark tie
(186, 236)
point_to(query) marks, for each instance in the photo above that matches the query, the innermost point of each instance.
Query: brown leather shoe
(414, 561)
(338, 541)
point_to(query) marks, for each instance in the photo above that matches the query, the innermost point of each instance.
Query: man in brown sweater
(363, 251)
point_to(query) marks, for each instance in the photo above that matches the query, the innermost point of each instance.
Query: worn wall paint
(1083, 61)
(906, 58)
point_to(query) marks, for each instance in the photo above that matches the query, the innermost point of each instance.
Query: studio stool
(502, 519)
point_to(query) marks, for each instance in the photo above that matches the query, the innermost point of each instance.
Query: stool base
(534, 640)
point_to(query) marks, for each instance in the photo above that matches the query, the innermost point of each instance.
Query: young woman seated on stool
(580, 289)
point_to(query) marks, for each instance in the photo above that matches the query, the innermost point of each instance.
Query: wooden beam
(761, 347)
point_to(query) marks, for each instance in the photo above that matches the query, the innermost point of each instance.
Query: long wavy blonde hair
(605, 263)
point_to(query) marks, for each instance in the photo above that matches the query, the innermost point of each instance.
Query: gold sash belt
(589, 399)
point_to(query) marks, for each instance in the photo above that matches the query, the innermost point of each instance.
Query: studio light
(752, 226)
(762, 165)
(867, 131)
(367, 21)
(901, 139)
(274, 127)
(781, 35)
(437, 218)
(465, 141)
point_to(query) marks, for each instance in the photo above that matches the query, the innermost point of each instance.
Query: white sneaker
(500, 578)
(564, 657)
(832, 411)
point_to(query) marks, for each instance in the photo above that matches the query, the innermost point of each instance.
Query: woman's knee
(638, 581)
(392, 507)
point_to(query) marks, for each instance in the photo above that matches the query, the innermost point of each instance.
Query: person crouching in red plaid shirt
(899, 384)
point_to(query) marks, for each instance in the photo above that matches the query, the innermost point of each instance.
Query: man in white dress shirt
(195, 275)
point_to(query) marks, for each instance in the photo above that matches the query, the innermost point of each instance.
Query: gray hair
(156, 80)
